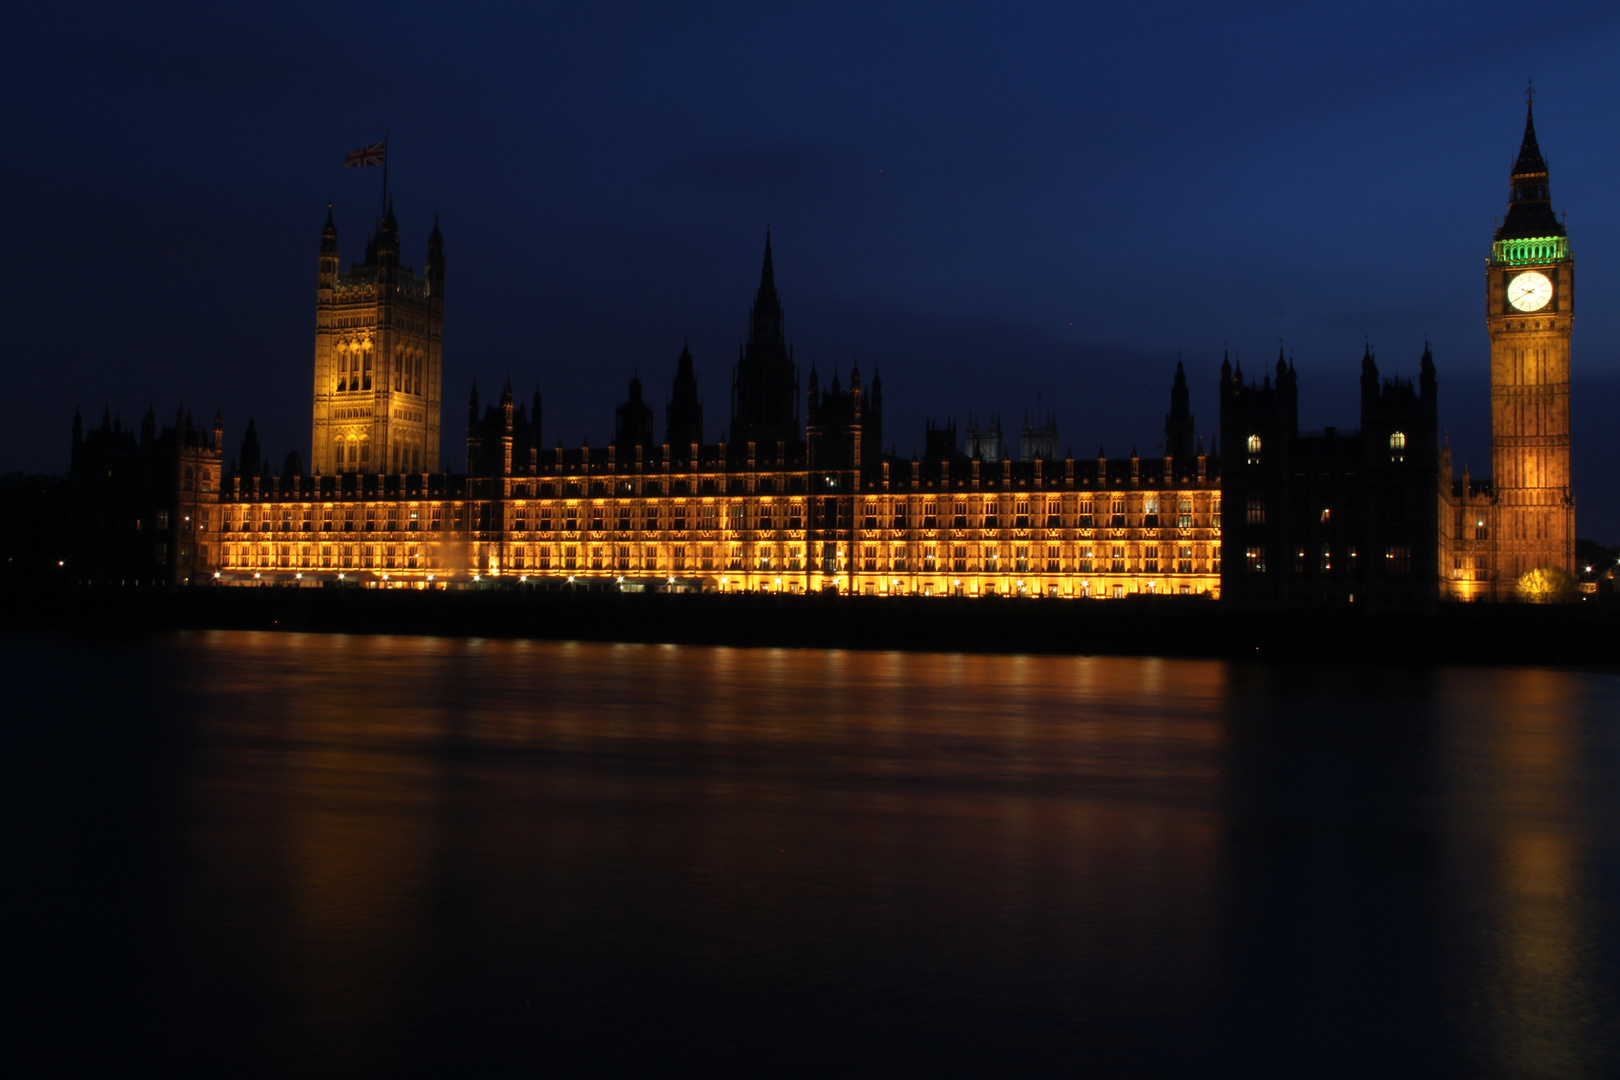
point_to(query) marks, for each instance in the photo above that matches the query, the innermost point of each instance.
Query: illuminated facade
(1523, 518)
(795, 509)
(1068, 529)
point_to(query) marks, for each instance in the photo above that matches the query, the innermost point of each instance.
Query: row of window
(706, 516)
(1397, 559)
(632, 558)
(354, 372)
(1397, 447)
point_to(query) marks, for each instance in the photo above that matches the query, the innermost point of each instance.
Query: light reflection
(1145, 841)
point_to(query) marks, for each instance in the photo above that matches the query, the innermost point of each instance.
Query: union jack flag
(375, 154)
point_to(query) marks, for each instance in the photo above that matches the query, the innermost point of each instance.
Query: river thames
(296, 854)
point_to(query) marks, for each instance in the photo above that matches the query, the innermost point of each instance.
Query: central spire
(767, 274)
(765, 383)
(765, 322)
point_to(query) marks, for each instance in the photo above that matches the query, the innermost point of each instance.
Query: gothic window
(1215, 518)
(871, 557)
(961, 515)
(1021, 557)
(1184, 518)
(1085, 560)
(1254, 560)
(1254, 449)
(959, 558)
(1117, 563)
(1184, 559)
(1150, 508)
(1397, 446)
(365, 450)
(1053, 561)
(1054, 514)
(1256, 510)
(1085, 514)
(1119, 513)
(1399, 559)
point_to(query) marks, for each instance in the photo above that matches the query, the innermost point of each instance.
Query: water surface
(281, 854)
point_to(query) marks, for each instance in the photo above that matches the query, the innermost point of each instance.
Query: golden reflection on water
(1539, 973)
(871, 822)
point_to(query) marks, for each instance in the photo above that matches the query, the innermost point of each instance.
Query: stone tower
(378, 345)
(1529, 311)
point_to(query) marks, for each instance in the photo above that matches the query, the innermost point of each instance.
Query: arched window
(1397, 446)
(1254, 449)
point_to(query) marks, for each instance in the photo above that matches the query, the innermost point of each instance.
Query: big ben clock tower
(1529, 311)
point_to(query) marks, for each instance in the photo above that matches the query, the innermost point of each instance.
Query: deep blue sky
(989, 202)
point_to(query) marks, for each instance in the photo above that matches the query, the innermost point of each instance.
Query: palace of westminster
(798, 496)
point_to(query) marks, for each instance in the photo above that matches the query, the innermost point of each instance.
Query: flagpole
(385, 176)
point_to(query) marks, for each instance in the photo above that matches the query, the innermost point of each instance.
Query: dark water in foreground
(284, 855)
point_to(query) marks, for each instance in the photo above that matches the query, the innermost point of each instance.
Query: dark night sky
(988, 202)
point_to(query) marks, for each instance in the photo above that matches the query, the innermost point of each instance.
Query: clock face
(1530, 291)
